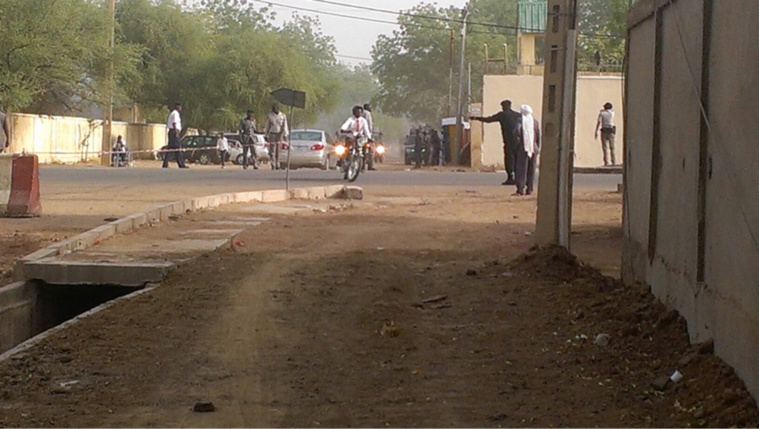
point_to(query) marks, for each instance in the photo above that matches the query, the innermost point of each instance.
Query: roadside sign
(290, 97)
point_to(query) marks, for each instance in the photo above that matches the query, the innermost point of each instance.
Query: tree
(603, 25)
(54, 50)
(412, 65)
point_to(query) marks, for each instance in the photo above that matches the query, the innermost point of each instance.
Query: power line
(339, 15)
(350, 57)
(395, 23)
(445, 19)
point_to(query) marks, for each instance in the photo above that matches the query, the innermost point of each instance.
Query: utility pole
(450, 75)
(559, 95)
(105, 159)
(460, 107)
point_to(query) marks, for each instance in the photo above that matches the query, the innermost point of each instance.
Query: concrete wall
(592, 93)
(57, 139)
(691, 212)
(18, 314)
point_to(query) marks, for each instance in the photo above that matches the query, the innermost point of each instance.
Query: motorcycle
(379, 152)
(350, 159)
(368, 153)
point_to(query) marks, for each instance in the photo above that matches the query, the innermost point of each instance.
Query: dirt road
(397, 311)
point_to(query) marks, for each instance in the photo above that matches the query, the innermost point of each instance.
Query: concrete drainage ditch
(31, 309)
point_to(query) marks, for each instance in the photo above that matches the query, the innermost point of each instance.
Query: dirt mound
(553, 262)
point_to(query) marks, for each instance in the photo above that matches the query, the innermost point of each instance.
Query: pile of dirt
(626, 334)
(553, 262)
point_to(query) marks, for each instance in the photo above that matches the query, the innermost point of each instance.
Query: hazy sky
(354, 38)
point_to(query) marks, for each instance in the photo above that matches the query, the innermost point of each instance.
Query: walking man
(174, 124)
(222, 145)
(605, 124)
(247, 138)
(5, 137)
(276, 132)
(527, 151)
(508, 119)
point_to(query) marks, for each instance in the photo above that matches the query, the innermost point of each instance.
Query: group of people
(427, 146)
(522, 141)
(275, 132)
(521, 144)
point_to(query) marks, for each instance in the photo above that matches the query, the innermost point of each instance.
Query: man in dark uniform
(174, 125)
(248, 140)
(508, 119)
(418, 148)
(435, 146)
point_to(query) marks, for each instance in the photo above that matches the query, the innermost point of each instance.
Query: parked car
(235, 148)
(310, 148)
(201, 149)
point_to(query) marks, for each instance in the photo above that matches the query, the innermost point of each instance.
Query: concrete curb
(163, 212)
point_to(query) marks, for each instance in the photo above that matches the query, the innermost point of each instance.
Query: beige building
(592, 93)
(691, 217)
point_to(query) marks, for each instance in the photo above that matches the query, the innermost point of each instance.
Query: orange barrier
(19, 186)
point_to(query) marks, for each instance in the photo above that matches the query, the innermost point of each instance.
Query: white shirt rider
(357, 126)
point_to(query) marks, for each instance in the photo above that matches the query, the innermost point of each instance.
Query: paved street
(212, 179)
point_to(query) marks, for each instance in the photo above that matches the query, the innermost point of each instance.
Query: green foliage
(600, 18)
(224, 58)
(413, 64)
(53, 49)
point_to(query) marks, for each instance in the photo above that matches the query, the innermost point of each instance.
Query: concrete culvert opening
(59, 303)
(31, 308)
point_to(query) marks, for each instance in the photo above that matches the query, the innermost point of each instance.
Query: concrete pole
(450, 76)
(559, 95)
(459, 108)
(108, 122)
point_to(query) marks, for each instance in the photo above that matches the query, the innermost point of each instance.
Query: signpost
(292, 98)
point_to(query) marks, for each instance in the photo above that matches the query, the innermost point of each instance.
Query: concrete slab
(57, 272)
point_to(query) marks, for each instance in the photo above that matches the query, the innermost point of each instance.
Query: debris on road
(204, 407)
(602, 340)
(437, 298)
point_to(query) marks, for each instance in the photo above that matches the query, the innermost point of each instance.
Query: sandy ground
(399, 310)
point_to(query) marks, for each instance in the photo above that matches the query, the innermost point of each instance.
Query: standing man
(527, 151)
(248, 140)
(508, 119)
(435, 144)
(367, 114)
(222, 145)
(276, 132)
(608, 130)
(418, 148)
(174, 124)
(5, 137)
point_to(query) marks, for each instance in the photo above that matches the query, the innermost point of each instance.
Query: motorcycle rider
(356, 125)
(367, 114)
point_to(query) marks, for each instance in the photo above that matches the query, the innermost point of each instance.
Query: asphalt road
(212, 179)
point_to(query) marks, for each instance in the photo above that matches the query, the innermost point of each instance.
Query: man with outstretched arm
(508, 119)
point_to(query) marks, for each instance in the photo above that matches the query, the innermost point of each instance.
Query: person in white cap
(528, 150)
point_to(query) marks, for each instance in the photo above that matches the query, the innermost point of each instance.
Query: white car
(235, 148)
(310, 148)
